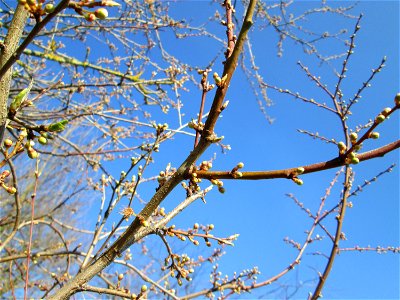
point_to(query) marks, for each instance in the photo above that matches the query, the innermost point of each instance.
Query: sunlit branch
(290, 172)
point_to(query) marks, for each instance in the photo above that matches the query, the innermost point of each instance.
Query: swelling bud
(49, 8)
(101, 13)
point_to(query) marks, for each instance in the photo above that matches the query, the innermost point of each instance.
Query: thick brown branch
(288, 173)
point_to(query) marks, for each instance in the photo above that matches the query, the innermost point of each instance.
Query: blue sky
(260, 211)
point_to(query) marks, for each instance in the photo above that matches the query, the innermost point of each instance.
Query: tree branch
(130, 236)
(290, 172)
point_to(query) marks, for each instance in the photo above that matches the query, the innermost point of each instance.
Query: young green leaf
(20, 98)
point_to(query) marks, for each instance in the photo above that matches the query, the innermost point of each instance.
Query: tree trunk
(10, 44)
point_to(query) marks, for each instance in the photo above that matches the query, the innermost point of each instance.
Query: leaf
(57, 127)
(21, 97)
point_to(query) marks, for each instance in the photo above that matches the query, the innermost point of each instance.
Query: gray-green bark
(10, 44)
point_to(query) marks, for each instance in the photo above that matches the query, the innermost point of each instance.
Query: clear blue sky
(260, 211)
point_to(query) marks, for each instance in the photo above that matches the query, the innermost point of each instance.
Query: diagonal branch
(130, 236)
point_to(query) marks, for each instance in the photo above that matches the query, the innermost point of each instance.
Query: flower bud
(386, 111)
(11, 190)
(29, 144)
(217, 79)
(90, 17)
(101, 13)
(42, 140)
(237, 174)
(49, 8)
(298, 181)
(380, 118)
(32, 153)
(374, 135)
(352, 155)
(5, 174)
(8, 143)
(143, 289)
(342, 147)
(353, 136)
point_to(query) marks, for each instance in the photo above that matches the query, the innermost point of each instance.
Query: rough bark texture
(10, 44)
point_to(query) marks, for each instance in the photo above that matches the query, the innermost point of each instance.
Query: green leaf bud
(21, 97)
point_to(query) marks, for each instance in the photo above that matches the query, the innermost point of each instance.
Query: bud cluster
(9, 189)
(382, 116)
(353, 137)
(352, 158)
(220, 82)
(161, 128)
(37, 7)
(100, 13)
(198, 127)
(235, 173)
(342, 148)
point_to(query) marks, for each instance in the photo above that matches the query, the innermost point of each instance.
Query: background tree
(97, 89)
